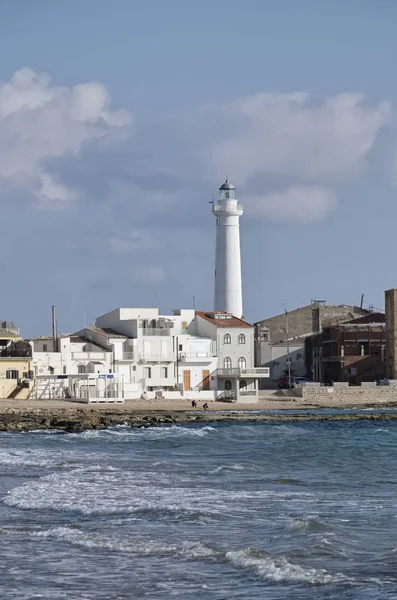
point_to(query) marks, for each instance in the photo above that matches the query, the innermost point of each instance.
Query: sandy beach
(270, 402)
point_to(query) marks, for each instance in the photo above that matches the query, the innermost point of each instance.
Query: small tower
(228, 288)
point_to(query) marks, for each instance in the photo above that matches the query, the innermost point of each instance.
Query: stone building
(391, 333)
(285, 338)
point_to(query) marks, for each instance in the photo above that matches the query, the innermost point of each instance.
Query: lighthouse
(228, 288)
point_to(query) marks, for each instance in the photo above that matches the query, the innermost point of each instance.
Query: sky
(120, 120)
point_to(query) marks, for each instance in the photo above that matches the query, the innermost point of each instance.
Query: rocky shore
(75, 420)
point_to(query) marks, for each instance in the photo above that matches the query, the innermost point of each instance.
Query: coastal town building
(282, 342)
(391, 333)
(228, 287)
(15, 363)
(236, 376)
(353, 352)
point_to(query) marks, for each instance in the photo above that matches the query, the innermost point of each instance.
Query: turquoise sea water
(227, 511)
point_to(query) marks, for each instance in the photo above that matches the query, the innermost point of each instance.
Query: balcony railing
(218, 208)
(156, 357)
(252, 372)
(155, 331)
(195, 356)
(88, 355)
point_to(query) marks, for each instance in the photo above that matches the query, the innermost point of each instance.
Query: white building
(228, 288)
(236, 376)
(156, 353)
(69, 355)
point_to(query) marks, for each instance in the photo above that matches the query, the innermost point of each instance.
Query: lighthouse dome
(227, 186)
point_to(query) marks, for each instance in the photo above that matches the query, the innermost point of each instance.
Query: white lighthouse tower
(228, 289)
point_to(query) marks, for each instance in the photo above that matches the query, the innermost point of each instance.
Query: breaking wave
(277, 569)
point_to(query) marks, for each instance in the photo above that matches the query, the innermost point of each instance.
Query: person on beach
(205, 406)
(194, 403)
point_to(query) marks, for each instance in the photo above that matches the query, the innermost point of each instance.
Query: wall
(22, 365)
(391, 333)
(350, 394)
(308, 319)
(278, 361)
(235, 350)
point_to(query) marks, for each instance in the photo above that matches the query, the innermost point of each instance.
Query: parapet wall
(362, 394)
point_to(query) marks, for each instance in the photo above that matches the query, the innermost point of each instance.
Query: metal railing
(156, 357)
(156, 331)
(248, 372)
(184, 356)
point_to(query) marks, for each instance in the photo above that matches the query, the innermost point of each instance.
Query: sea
(229, 510)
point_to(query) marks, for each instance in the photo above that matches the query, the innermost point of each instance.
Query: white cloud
(297, 202)
(40, 122)
(295, 135)
(265, 143)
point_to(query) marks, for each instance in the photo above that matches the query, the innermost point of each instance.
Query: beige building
(15, 361)
(391, 333)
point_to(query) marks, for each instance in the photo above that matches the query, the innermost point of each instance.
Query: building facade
(352, 352)
(283, 342)
(391, 333)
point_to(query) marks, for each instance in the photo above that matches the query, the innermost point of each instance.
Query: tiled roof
(5, 333)
(225, 323)
(110, 333)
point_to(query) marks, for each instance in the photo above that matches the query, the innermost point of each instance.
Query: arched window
(227, 362)
(241, 338)
(228, 385)
(81, 369)
(243, 384)
(227, 338)
(242, 363)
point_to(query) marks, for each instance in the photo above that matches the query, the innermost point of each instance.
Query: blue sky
(119, 120)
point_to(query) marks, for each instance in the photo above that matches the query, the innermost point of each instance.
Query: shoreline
(23, 416)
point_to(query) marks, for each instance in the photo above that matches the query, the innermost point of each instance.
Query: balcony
(195, 357)
(220, 208)
(156, 357)
(257, 372)
(89, 355)
(155, 331)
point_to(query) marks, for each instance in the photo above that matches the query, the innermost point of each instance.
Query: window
(227, 338)
(164, 372)
(64, 370)
(180, 348)
(12, 374)
(148, 372)
(242, 363)
(241, 338)
(45, 347)
(228, 385)
(184, 324)
(227, 363)
(81, 369)
(243, 384)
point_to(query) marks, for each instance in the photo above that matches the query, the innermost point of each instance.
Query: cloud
(40, 122)
(300, 203)
(297, 135)
(285, 153)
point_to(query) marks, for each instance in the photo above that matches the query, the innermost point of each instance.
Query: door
(206, 379)
(186, 381)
